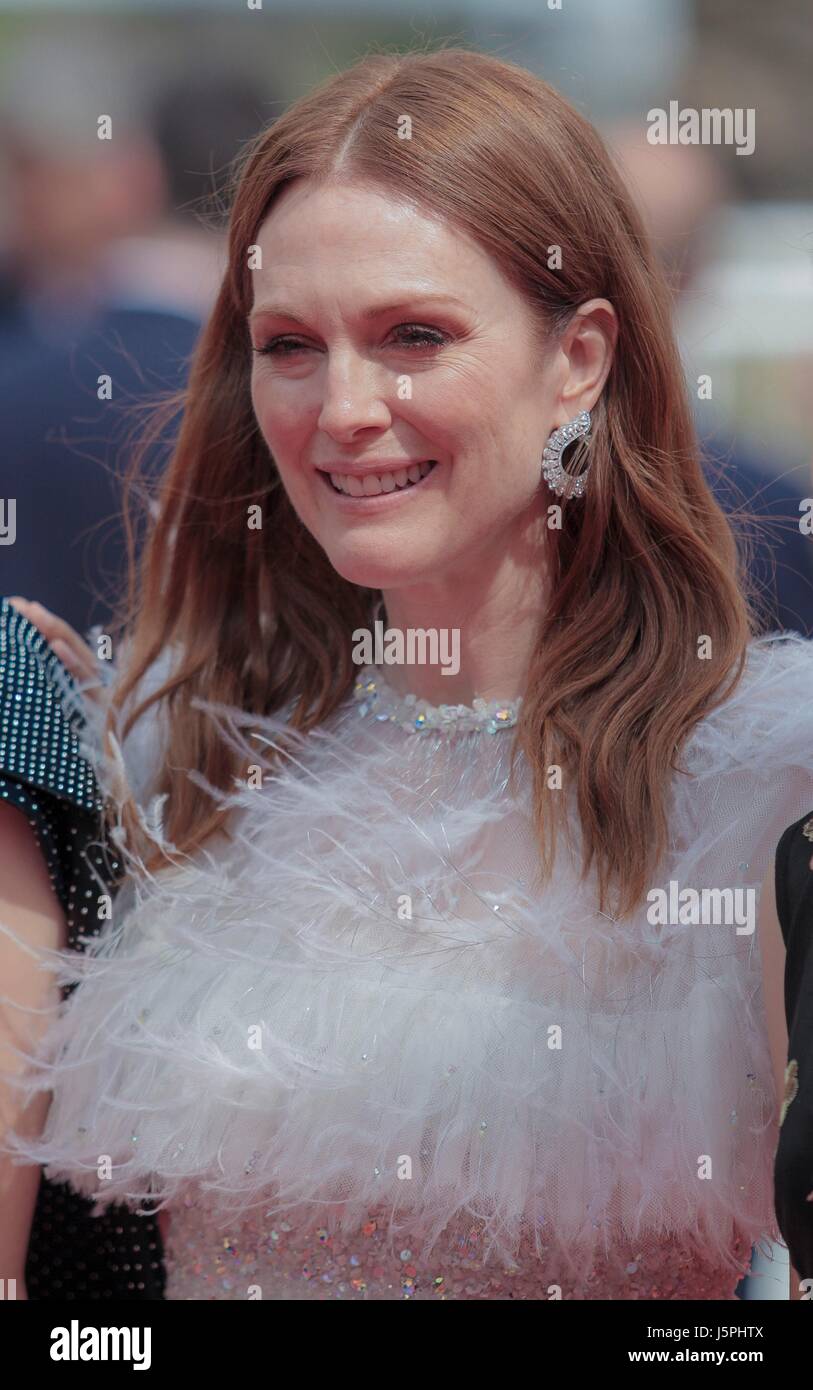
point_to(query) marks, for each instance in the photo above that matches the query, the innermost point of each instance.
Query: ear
(587, 344)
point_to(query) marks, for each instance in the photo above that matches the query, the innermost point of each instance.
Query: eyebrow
(374, 312)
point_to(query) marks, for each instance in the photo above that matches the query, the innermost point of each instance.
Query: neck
(486, 627)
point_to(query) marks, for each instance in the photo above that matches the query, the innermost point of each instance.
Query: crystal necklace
(377, 698)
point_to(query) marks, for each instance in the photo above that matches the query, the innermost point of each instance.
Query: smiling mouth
(380, 484)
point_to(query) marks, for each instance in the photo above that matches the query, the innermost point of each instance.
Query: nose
(354, 397)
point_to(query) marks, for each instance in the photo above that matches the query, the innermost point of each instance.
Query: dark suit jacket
(62, 448)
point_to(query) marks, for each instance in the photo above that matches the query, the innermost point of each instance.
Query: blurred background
(111, 251)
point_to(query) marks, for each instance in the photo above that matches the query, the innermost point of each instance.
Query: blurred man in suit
(679, 190)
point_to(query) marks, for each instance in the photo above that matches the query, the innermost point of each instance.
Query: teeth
(373, 483)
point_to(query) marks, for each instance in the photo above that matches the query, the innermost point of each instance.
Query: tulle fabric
(366, 999)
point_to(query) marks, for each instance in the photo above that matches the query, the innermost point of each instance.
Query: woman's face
(385, 338)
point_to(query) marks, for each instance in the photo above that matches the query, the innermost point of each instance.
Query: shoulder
(767, 720)
(41, 716)
(745, 774)
(777, 679)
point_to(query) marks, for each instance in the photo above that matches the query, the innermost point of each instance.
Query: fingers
(74, 654)
(52, 627)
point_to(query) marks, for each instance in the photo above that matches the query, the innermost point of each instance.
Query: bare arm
(29, 909)
(772, 949)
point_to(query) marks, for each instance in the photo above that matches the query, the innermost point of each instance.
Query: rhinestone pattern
(38, 742)
(377, 698)
(558, 479)
(71, 1255)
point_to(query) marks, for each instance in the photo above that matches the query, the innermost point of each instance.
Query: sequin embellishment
(299, 1258)
(375, 696)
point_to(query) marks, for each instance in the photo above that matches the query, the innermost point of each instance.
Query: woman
(391, 1005)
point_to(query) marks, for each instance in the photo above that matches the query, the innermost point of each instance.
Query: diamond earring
(561, 482)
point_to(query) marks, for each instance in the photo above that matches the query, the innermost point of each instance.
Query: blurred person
(71, 193)
(376, 980)
(69, 314)
(199, 121)
(681, 189)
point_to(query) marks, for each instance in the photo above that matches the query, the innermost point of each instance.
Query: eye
(420, 336)
(281, 347)
(412, 335)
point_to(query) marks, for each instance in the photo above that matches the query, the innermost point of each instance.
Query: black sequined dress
(793, 1168)
(71, 1255)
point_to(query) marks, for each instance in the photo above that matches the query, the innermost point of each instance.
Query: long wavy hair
(642, 569)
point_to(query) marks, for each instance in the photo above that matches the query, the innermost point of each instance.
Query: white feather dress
(358, 1051)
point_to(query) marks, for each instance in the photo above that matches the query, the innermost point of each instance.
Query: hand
(74, 654)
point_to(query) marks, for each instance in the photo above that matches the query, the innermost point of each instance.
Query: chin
(371, 568)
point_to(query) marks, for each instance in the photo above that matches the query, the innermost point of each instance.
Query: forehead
(366, 238)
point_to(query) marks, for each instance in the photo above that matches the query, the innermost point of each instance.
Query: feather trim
(368, 980)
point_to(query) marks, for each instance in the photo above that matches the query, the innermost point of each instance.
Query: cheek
(282, 423)
(259, 401)
(266, 409)
(282, 432)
